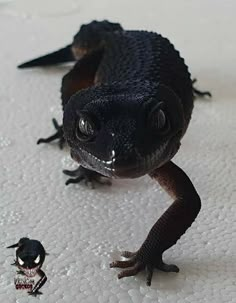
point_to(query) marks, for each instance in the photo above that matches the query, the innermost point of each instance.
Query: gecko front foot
(198, 93)
(90, 177)
(135, 264)
(58, 135)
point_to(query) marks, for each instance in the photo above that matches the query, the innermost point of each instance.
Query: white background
(83, 229)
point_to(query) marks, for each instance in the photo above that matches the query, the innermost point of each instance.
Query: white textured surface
(84, 229)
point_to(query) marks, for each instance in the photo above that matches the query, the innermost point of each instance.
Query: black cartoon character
(30, 255)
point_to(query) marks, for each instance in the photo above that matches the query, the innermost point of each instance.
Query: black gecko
(127, 103)
(30, 255)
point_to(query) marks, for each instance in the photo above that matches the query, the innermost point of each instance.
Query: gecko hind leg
(198, 93)
(90, 177)
(58, 135)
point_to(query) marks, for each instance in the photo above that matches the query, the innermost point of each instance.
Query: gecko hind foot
(88, 176)
(134, 265)
(198, 93)
(58, 135)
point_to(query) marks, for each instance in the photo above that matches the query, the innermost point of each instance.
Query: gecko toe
(167, 267)
(71, 173)
(128, 254)
(123, 264)
(132, 271)
(150, 270)
(74, 181)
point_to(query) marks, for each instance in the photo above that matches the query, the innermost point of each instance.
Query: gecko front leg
(59, 134)
(170, 226)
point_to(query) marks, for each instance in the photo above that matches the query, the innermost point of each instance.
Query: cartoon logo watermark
(30, 255)
(24, 283)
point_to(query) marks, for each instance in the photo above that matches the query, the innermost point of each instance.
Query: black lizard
(127, 103)
(30, 256)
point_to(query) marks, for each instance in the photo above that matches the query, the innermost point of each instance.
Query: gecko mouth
(29, 272)
(133, 166)
(89, 161)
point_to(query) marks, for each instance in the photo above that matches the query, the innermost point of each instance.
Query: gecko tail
(60, 56)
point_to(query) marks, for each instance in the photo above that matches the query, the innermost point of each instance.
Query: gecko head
(122, 133)
(30, 256)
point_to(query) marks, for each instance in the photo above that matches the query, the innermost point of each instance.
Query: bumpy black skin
(28, 251)
(135, 93)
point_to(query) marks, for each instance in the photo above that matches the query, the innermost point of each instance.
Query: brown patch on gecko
(81, 76)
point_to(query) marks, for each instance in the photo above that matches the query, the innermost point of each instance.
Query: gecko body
(127, 103)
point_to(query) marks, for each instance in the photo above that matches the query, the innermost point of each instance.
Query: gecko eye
(85, 129)
(158, 120)
(36, 261)
(21, 262)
